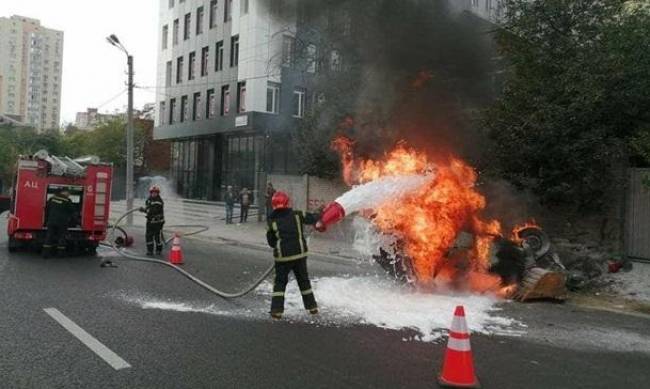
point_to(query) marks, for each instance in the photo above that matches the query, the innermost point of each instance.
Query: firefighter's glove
(142, 209)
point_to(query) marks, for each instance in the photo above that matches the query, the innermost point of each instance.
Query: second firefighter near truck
(154, 208)
(59, 213)
(285, 234)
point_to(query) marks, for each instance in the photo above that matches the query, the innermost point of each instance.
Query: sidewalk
(253, 233)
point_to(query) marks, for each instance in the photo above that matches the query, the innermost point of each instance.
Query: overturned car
(528, 267)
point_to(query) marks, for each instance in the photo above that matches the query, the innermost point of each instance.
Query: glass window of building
(186, 26)
(225, 100)
(241, 97)
(273, 97)
(199, 21)
(183, 108)
(161, 113)
(298, 103)
(179, 70)
(312, 58)
(211, 102)
(287, 50)
(191, 70)
(175, 32)
(227, 12)
(213, 13)
(196, 106)
(168, 74)
(234, 51)
(165, 33)
(218, 60)
(172, 111)
(204, 60)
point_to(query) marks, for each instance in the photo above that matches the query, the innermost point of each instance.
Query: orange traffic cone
(176, 254)
(458, 366)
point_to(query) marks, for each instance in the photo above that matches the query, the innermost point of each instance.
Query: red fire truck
(37, 178)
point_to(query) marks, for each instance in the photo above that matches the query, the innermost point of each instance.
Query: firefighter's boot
(149, 249)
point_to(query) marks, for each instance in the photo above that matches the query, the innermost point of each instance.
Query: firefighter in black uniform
(154, 209)
(286, 235)
(59, 212)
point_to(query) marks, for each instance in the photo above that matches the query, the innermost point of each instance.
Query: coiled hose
(192, 278)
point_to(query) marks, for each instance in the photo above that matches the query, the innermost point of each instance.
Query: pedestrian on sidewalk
(245, 203)
(154, 208)
(270, 191)
(229, 199)
(285, 233)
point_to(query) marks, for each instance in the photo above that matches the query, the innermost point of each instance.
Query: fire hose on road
(203, 284)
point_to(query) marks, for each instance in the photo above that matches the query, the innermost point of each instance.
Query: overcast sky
(93, 70)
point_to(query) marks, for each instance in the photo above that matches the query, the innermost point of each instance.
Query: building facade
(223, 95)
(31, 59)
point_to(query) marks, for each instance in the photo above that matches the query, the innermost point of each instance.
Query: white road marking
(95, 345)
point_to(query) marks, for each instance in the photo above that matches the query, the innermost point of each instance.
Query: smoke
(411, 70)
(510, 206)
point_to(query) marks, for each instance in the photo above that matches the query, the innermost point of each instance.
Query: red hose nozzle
(333, 213)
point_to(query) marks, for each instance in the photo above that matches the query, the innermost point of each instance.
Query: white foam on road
(368, 301)
(383, 303)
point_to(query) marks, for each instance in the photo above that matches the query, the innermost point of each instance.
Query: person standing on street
(285, 234)
(245, 203)
(59, 212)
(229, 199)
(270, 191)
(154, 208)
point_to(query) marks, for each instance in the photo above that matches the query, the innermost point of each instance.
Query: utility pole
(113, 40)
(129, 144)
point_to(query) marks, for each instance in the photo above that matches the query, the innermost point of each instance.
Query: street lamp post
(112, 39)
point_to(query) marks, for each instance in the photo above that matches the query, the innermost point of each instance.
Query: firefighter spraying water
(285, 234)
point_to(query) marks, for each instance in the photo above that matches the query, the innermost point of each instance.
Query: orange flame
(520, 227)
(430, 219)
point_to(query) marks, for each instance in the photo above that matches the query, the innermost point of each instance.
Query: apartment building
(223, 98)
(31, 58)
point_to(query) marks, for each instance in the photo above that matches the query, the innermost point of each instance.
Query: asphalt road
(228, 344)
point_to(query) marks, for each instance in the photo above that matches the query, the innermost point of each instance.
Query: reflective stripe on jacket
(155, 209)
(285, 233)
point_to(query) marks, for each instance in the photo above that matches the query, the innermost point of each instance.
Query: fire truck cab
(37, 178)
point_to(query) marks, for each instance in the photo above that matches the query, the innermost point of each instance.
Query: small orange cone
(458, 366)
(176, 254)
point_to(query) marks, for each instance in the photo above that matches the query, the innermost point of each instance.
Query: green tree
(576, 99)
(108, 142)
(15, 141)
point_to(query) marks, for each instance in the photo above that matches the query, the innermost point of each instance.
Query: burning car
(421, 209)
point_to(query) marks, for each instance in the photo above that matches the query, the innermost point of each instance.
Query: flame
(514, 236)
(430, 219)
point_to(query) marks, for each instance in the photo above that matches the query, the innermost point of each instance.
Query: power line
(111, 99)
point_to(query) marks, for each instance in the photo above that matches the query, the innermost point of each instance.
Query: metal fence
(637, 220)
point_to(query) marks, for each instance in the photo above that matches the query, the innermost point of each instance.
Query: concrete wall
(637, 217)
(306, 192)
